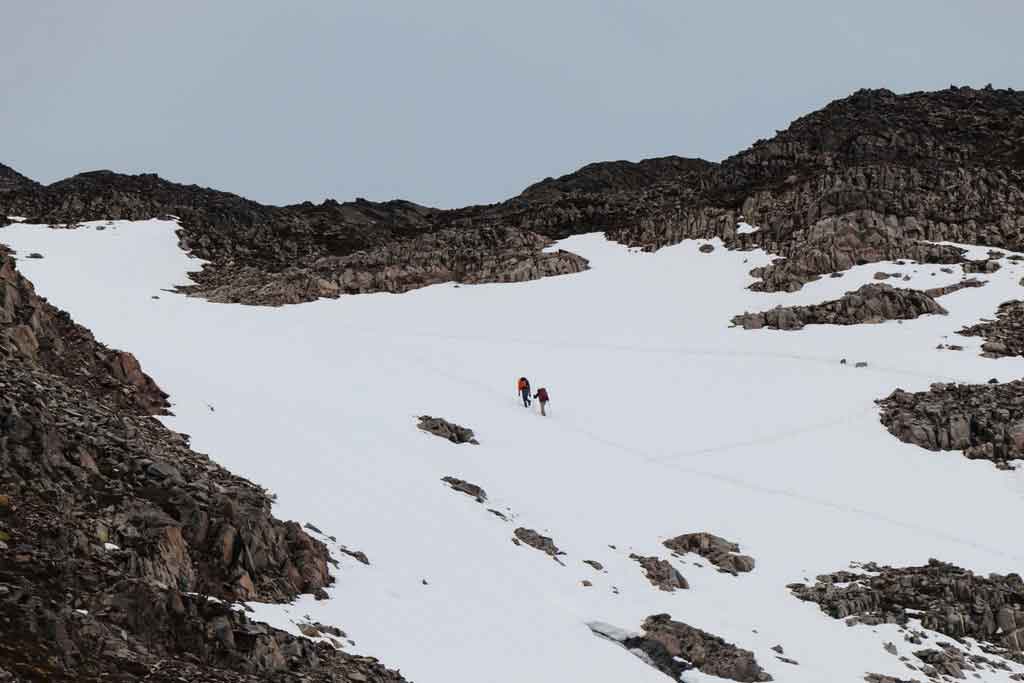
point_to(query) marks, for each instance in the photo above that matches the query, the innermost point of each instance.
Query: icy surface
(664, 420)
(746, 228)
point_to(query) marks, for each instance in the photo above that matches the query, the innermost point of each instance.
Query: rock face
(673, 648)
(874, 176)
(110, 527)
(872, 303)
(661, 573)
(715, 549)
(1003, 336)
(986, 421)
(447, 430)
(946, 598)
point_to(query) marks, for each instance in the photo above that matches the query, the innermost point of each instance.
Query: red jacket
(542, 395)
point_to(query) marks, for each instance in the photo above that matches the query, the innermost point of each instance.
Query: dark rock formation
(673, 648)
(715, 549)
(946, 598)
(873, 303)
(871, 177)
(465, 487)
(936, 292)
(661, 573)
(111, 527)
(879, 678)
(986, 421)
(1003, 336)
(447, 430)
(545, 544)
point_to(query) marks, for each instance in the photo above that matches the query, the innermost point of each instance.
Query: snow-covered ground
(664, 421)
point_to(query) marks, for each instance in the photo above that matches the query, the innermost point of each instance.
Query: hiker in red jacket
(542, 396)
(523, 387)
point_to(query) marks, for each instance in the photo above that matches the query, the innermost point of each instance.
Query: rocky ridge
(871, 303)
(1003, 336)
(121, 549)
(985, 421)
(944, 597)
(874, 176)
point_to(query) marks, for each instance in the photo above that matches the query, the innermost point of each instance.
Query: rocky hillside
(865, 179)
(119, 544)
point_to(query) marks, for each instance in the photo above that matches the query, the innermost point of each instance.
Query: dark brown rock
(717, 550)
(466, 487)
(1003, 336)
(872, 303)
(447, 430)
(661, 573)
(944, 597)
(535, 540)
(985, 421)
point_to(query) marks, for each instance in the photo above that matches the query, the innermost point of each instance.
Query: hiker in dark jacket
(542, 396)
(524, 390)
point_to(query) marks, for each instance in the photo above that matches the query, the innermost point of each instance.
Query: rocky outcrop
(447, 430)
(874, 176)
(466, 487)
(111, 527)
(715, 549)
(673, 648)
(35, 334)
(661, 573)
(945, 598)
(985, 421)
(545, 544)
(967, 283)
(468, 257)
(1003, 336)
(872, 303)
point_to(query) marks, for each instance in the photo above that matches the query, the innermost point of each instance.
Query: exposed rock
(447, 430)
(595, 564)
(1003, 336)
(879, 678)
(661, 573)
(985, 421)
(718, 551)
(945, 598)
(936, 292)
(872, 303)
(706, 248)
(119, 528)
(871, 177)
(535, 540)
(467, 488)
(987, 266)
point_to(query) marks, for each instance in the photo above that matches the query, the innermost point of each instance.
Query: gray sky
(451, 102)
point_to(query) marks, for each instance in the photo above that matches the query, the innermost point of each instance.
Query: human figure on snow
(523, 386)
(542, 396)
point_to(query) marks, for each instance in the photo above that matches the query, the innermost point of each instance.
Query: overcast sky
(451, 102)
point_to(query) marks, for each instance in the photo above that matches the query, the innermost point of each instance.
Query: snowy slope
(665, 421)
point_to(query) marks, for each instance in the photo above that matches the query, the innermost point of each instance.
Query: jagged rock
(661, 573)
(119, 528)
(595, 564)
(879, 678)
(987, 266)
(673, 648)
(447, 430)
(535, 540)
(720, 552)
(985, 421)
(872, 303)
(871, 177)
(946, 598)
(937, 292)
(1003, 336)
(467, 488)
